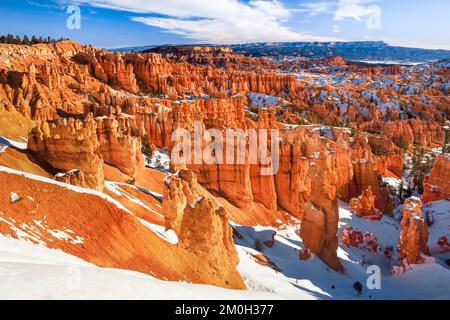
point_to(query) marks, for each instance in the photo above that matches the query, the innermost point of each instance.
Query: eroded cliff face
(369, 169)
(408, 132)
(117, 145)
(437, 183)
(40, 81)
(320, 220)
(70, 145)
(413, 241)
(314, 170)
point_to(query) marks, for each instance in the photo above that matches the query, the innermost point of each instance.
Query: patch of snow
(393, 182)
(13, 144)
(14, 197)
(438, 213)
(167, 235)
(63, 174)
(263, 101)
(115, 189)
(325, 131)
(160, 160)
(61, 235)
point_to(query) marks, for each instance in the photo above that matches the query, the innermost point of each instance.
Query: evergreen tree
(446, 147)
(402, 143)
(147, 149)
(358, 288)
(9, 39)
(25, 40)
(400, 191)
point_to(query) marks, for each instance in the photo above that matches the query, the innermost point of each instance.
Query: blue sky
(120, 23)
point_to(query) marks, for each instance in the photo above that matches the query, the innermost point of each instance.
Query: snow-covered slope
(312, 279)
(28, 271)
(33, 272)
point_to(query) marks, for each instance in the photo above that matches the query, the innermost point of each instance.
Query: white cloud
(214, 21)
(356, 9)
(316, 8)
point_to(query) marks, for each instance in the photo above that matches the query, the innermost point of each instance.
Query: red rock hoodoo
(413, 241)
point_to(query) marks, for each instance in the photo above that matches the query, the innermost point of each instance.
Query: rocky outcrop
(321, 215)
(117, 145)
(369, 169)
(136, 96)
(206, 233)
(332, 61)
(357, 239)
(413, 241)
(110, 68)
(70, 145)
(73, 177)
(407, 132)
(364, 167)
(200, 223)
(307, 162)
(364, 205)
(437, 183)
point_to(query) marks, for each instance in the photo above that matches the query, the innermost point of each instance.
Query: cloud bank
(213, 21)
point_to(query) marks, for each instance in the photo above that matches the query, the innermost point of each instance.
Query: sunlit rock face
(117, 145)
(437, 183)
(364, 205)
(70, 145)
(201, 224)
(413, 241)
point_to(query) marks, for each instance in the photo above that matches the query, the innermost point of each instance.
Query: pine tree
(146, 149)
(400, 191)
(402, 143)
(358, 288)
(9, 39)
(25, 40)
(446, 147)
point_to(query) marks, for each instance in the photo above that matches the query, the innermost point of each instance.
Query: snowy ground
(314, 280)
(33, 272)
(263, 101)
(160, 161)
